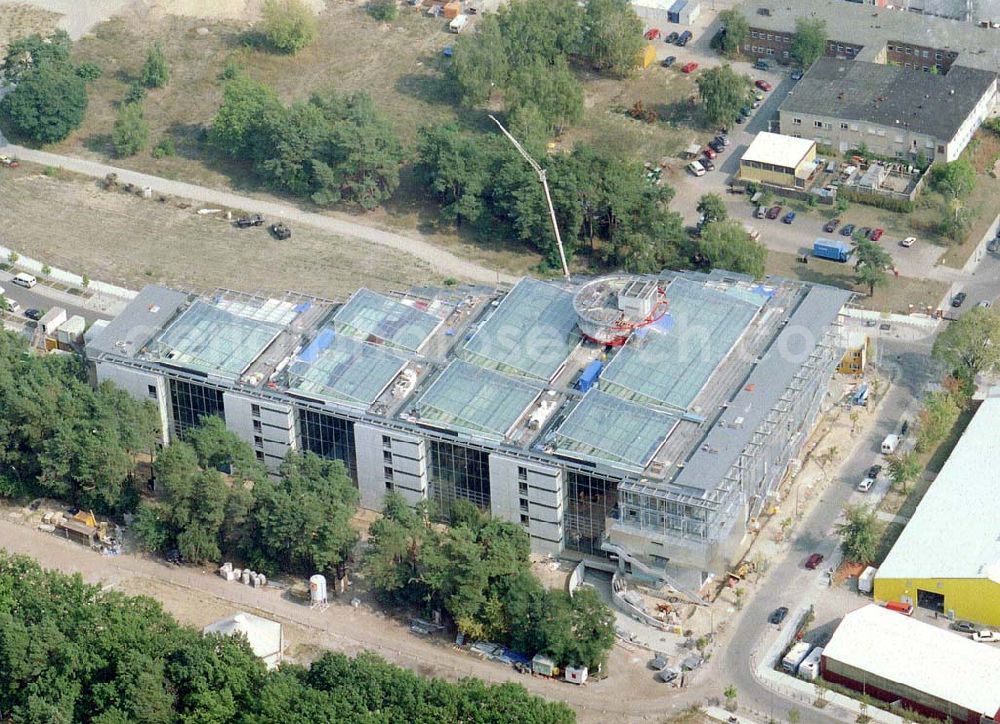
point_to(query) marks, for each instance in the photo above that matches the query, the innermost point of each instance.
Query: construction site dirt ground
(119, 238)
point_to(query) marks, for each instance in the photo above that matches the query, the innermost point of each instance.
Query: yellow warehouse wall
(764, 176)
(975, 599)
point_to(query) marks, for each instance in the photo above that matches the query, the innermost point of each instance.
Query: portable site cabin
(78, 531)
(693, 151)
(458, 24)
(867, 579)
(795, 656)
(809, 668)
(648, 56)
(542, 664)
(576, 674)
(452, 10)
(684, 12)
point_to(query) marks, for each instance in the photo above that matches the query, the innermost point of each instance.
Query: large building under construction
(645, 419)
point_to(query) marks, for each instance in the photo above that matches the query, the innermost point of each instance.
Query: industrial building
(264, 636)
(947, 559)
(923, 668)
(847, 104)
(779, 160)
(856, 32)
(660, 13)
(647, 419)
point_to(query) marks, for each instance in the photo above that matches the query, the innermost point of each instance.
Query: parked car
(710, 152)
(741, 118)
(762, 64)
(812, 563)
(848, 230)
(763, 85)
(684, 37)
(993, 246)
(874, 470)
(760, 213)
(34, 314)
(707, 163)
(908, 241)
(696, 169)
(864, 231)
(659, 662)
(964, 626)
(653, 34)
(876, 234)
(745, 111)
(831, 226)
(774, 212)
(985, 304)
(280, 231)
(958, 299)
(779, 615)
(689, 67)
(723, 139)
(789, 218)
(672, 38)
(245, 222)
(865, 485)
(716, 145)
(668, 61)
(797, 74)
(986, 636)
(758, 96)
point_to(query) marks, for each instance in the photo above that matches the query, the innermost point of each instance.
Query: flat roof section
(669, 362)
(470, 399)
(213, 340)
(916, 655)
(962, 500)
(603, 428)
(777, 149)
(142, 318)
(340, 369)
(530, 333)
(373, 317)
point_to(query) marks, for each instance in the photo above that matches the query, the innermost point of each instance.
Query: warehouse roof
(603, 428)
(932, 660)
(530, 333)
(475, 400)
(963, 501)
(873, 28)
(374, 317)
(887, 95)
(135, 325)
(778, 150)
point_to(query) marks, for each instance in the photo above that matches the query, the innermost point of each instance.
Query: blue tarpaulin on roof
(762, 290)
(304, 307)
(664, 323)
(323, 340)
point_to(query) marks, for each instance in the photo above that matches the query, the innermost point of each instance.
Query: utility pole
(545, 185)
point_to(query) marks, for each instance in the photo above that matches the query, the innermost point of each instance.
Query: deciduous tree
(723, 93)
(47, 104)
(727, 245)
(155, 72)
(859, 534)
(971, 344)
(736, 30)
(287, 25)
(613, 39)
(131, 132)
(871, 264)
(808, 41)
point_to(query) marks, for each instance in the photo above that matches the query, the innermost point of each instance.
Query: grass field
(22, 19)
(894, 297)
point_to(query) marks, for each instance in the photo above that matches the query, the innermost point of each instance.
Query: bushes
(131, 132)
(287, 25)
(155, 72)
(164, 148)
(383, 9)
(889, 203)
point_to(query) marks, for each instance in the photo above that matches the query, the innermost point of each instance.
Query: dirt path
(194, 596)
(441, 261)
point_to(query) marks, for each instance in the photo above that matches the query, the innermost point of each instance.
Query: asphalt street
(44, 298)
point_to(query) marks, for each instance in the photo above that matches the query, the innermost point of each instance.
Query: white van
(458, 24)
(25, 280)
(696, 168)
(12, 306)
(889, 444)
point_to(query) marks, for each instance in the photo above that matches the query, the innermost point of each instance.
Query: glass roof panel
(373, 317)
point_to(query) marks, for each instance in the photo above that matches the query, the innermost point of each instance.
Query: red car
(813, 561)
(774, 212)
(653, 34)
(763, 85)
(876, 234)
(710, 153)
(689, 67)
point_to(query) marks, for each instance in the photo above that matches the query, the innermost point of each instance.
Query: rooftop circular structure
(609, 308)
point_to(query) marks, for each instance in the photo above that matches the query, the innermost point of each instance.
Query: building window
(387, 456)
(940, 149)
(818, 124)
(909, 51)
(522, 473)
(386, 441)
(590, 500)
(458, 473)
(255, 410)
(257, 427)
(151, 391)
(258, 441)
(843, 126)
(388, 472)
(259, 454)
(329, 437)
(937, 56)
(784, 54)
(388, 485)
(522, 488)
(923, 54)
(940, 68)
(190, 403)
(753, 34)
(524, 504)
(890, 47)
(770, 51)
(524, 519)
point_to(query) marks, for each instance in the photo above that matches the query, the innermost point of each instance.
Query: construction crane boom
(545, 186)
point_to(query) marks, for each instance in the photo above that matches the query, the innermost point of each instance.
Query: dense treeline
(601, 201)
(298, 523)
(50, 94)
(331, 148)
(478, 571)
(60, 437)
(71, 652)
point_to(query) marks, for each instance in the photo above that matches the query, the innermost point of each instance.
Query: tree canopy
(477, 570)
(860, 533)
(971, 344)
(954, 180)
(331, 148)
(613, 37)
(48, 102)
(131, 132)
(735, 31)
(155, 72)
(34, 51)
(808, 41)
(287, 25)
(723, 93)
(74, 652)
(871, 263)
(727, 245)
(712, 207)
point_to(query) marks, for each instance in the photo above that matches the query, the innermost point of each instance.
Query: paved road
(442, 261)
(43, 298)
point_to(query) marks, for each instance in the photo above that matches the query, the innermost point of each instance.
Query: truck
(795, 656)
(809, 668)
(866, 579)
(889, 444)
(589, 375)
(831, 249)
